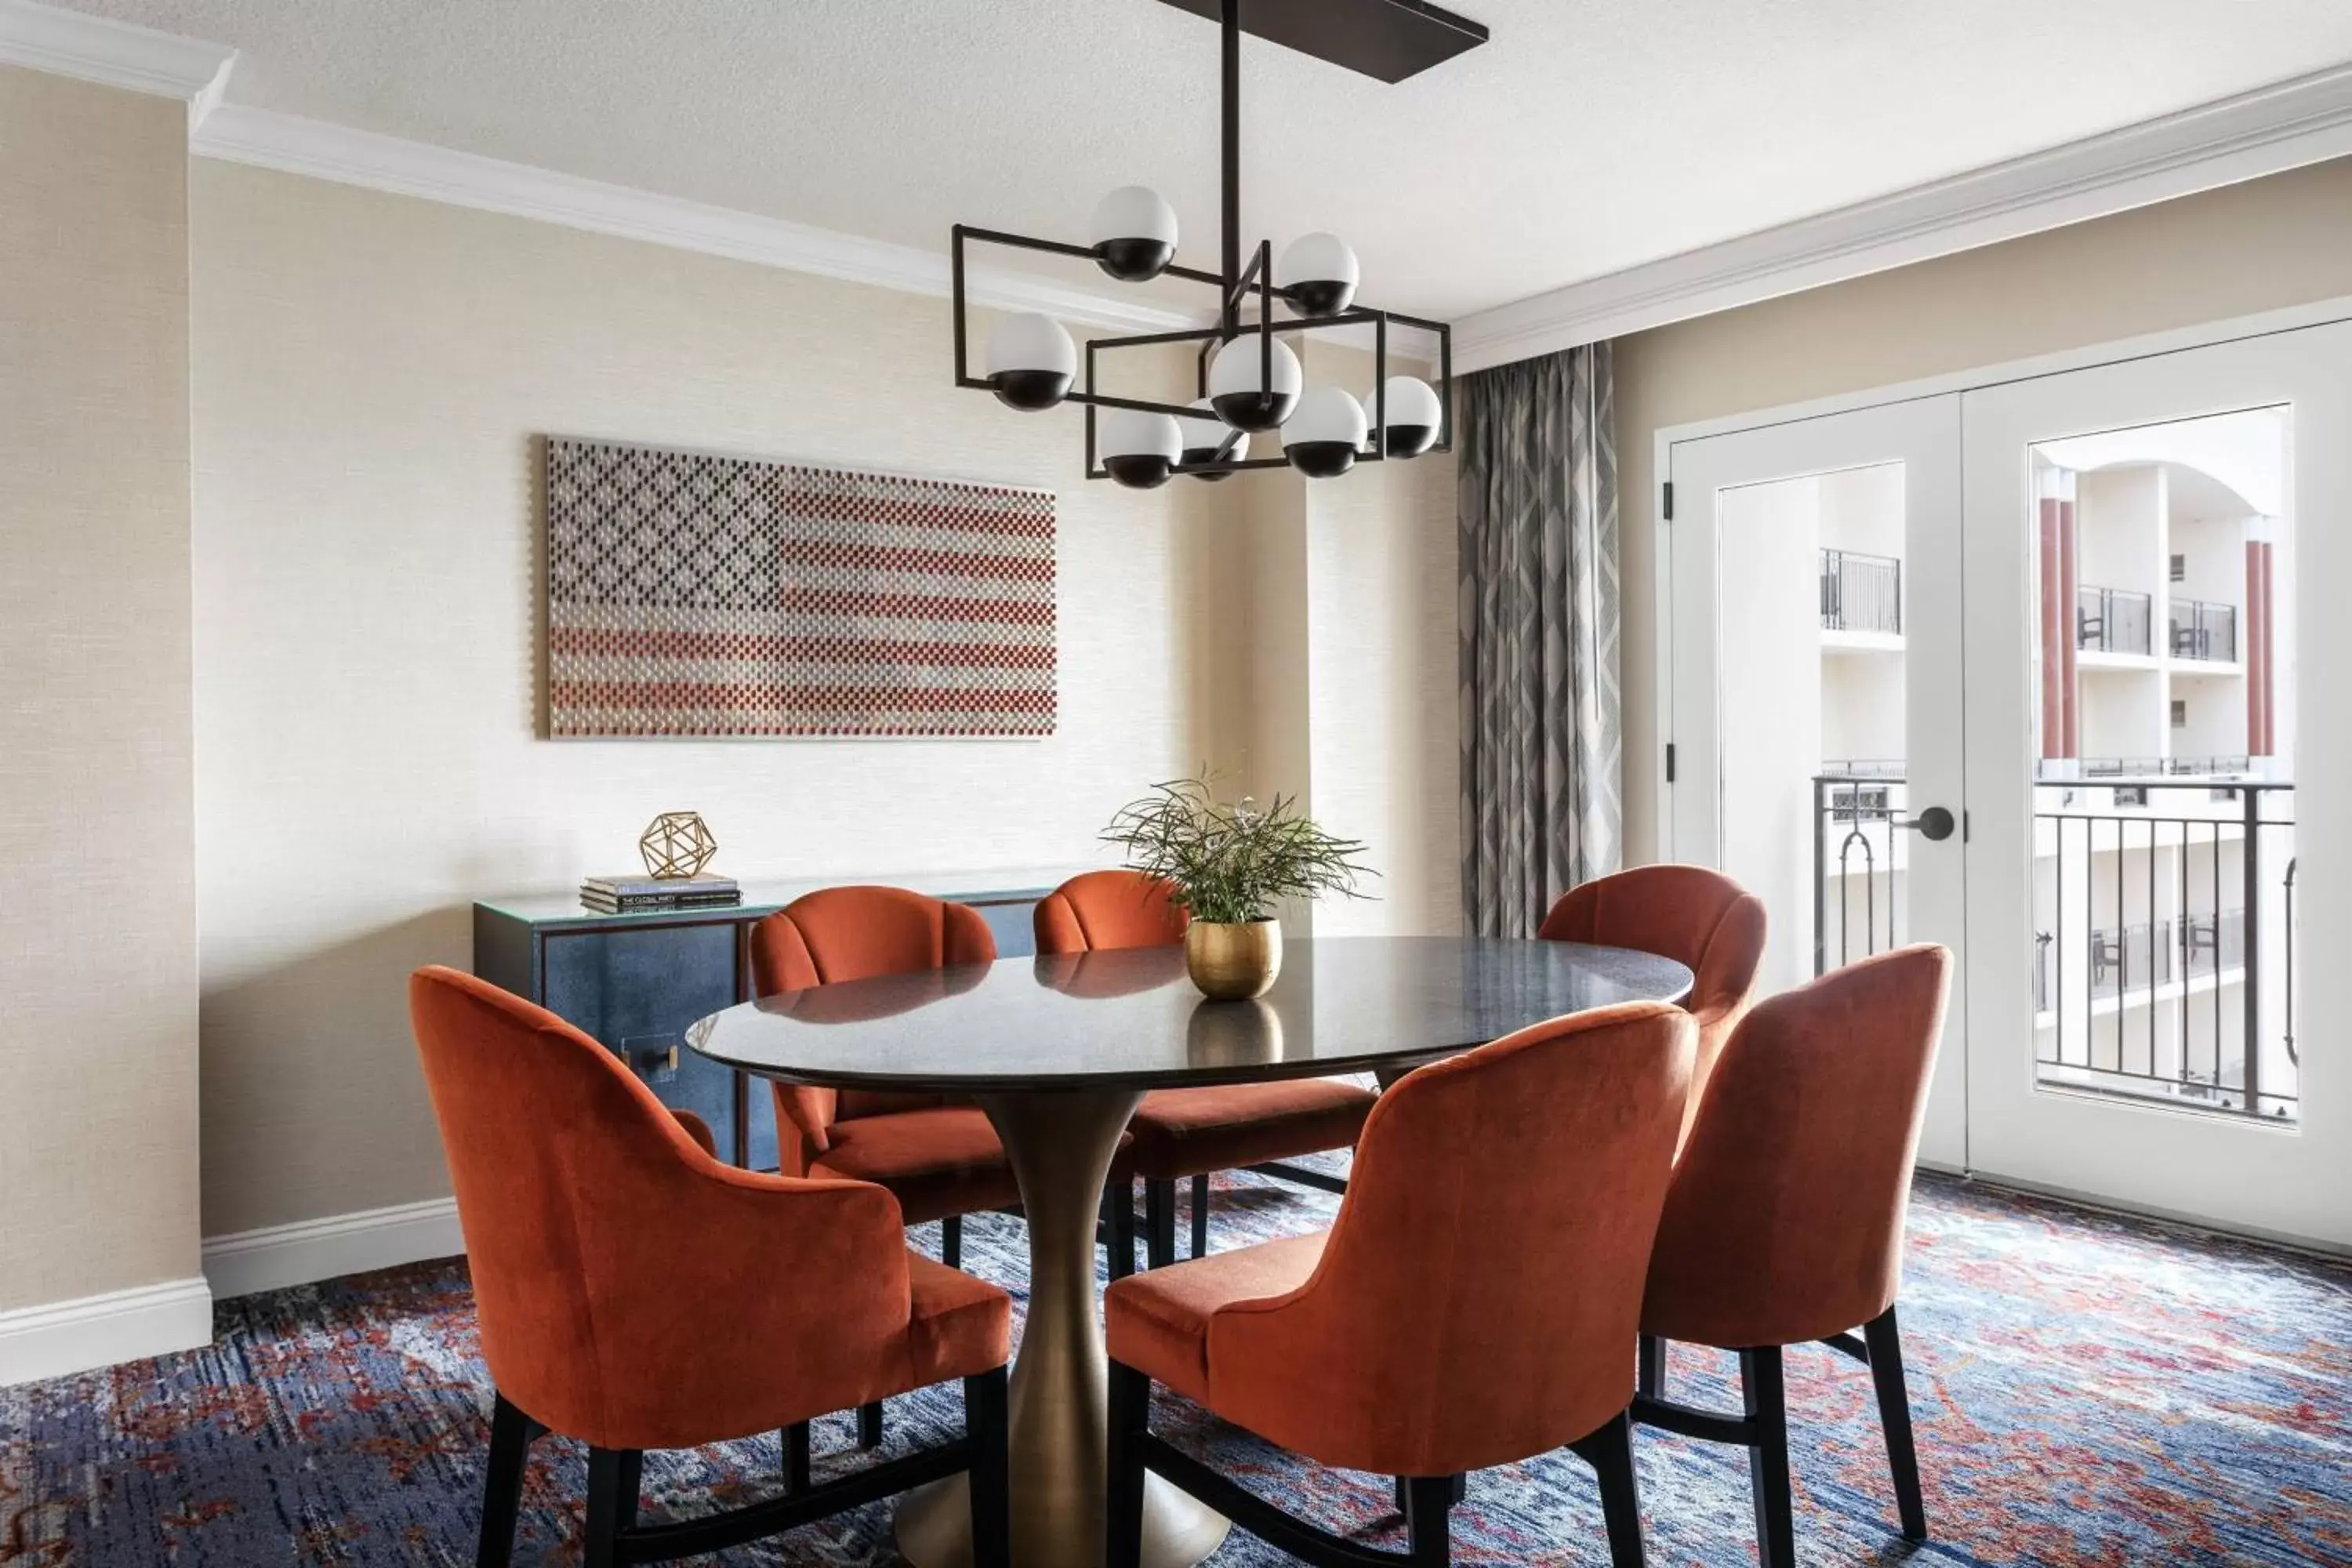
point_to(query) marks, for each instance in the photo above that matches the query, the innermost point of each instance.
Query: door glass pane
(1810, 636)
(2164, 862)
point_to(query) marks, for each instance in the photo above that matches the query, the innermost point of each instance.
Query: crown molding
(115, 53)
(269, 140)
(2272, 128)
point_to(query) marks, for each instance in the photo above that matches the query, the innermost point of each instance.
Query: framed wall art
(693, 596)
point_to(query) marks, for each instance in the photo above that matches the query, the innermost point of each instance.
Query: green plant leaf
(1234, 864)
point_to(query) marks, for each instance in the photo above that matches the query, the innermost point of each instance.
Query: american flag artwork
(693, 596)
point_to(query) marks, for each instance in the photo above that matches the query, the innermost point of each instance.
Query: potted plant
(1230, 866)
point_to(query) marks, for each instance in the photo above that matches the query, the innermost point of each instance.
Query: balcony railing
(2192, 1006)
(1861, 593)
(1856, 908)
(2154, 953)
(2202, 629)
(2111, 620)
(2161, 767)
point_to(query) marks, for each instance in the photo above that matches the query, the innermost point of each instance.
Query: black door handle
(1935, 823)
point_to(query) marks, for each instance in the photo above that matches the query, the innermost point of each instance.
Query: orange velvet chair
(1698, 918)
(634, 1293)
(1475, 1302)
(1184, 1133)
(939, 1158)
(1784, 1224)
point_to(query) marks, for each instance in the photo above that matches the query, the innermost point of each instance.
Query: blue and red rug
(2089, 1391)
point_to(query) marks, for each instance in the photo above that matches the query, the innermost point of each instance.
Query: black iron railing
(1856, 911)
(2183, 1005)
(1861, 593)
(2202, 629)
(2057, 769)
(2111, 620)
(2163, 956)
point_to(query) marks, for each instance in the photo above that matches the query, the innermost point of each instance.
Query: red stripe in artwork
(1041, 725)
(911, 606)
(651, 643)
(686, 694)
(825, 552)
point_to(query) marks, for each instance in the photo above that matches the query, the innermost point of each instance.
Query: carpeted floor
(2089, 1391)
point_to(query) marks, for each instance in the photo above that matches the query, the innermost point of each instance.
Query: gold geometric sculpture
(677, 845)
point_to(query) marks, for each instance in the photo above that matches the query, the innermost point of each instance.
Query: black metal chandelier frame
(1235, 281)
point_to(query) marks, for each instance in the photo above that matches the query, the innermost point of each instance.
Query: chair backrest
(1785, 1220)
(1477, 1299)
(1696, 916)
(1098, 911)
(855, 933)
(588, 1213)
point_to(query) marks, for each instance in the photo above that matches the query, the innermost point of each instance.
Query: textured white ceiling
(1589, 136)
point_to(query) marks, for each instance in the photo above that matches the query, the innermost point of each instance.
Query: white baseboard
(311, 1250)
(66, 1337)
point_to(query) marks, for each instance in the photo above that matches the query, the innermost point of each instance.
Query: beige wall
(2270, 243)
(1348, 623)
(370, 372)
(1380, 734)
(97, 938)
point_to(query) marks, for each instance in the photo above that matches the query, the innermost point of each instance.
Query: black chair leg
(984, 1423)
(796, 1458)
(1118, 1227)
(1200, 1215)
(1765, 1399)
(1404, 1492)
(951, 1241)
(1610, 1452)
(614, 1475)
(1885, 1345)
(1131, 1418)
(869, 1426)
(511, 1434)
(1159, 1224)
(1428, 1509)
(1650, 1376)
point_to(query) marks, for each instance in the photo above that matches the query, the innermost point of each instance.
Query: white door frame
(1923, 435)
(2092, 357)
(2248, 1174)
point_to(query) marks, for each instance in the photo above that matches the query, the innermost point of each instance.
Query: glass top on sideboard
(1002, 885)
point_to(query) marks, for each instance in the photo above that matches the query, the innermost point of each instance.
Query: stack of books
(637, 893)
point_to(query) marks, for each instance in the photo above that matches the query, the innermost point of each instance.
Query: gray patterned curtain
(1540, 764)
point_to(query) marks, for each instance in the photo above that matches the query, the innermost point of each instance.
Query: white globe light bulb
(1317, 274)
(1415, 414)
(1030, 360)
(1133, 234)
(1242, 397)
(1322, 438)
(1138, 447)
(1208, 439)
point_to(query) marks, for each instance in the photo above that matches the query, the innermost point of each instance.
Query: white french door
(1813, 676)
(2156, 718)
(2090, 615)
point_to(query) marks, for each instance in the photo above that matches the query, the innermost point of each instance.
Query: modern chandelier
(1250, 381)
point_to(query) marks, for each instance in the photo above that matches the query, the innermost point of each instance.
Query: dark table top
(1133, 1019)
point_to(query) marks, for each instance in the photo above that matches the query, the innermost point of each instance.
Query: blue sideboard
(637, 981)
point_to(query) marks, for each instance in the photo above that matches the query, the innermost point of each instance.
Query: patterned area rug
(2089, 1391)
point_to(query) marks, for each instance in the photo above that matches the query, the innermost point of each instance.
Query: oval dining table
(1058, 1051)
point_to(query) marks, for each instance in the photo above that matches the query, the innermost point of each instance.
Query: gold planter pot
(1234, 962)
